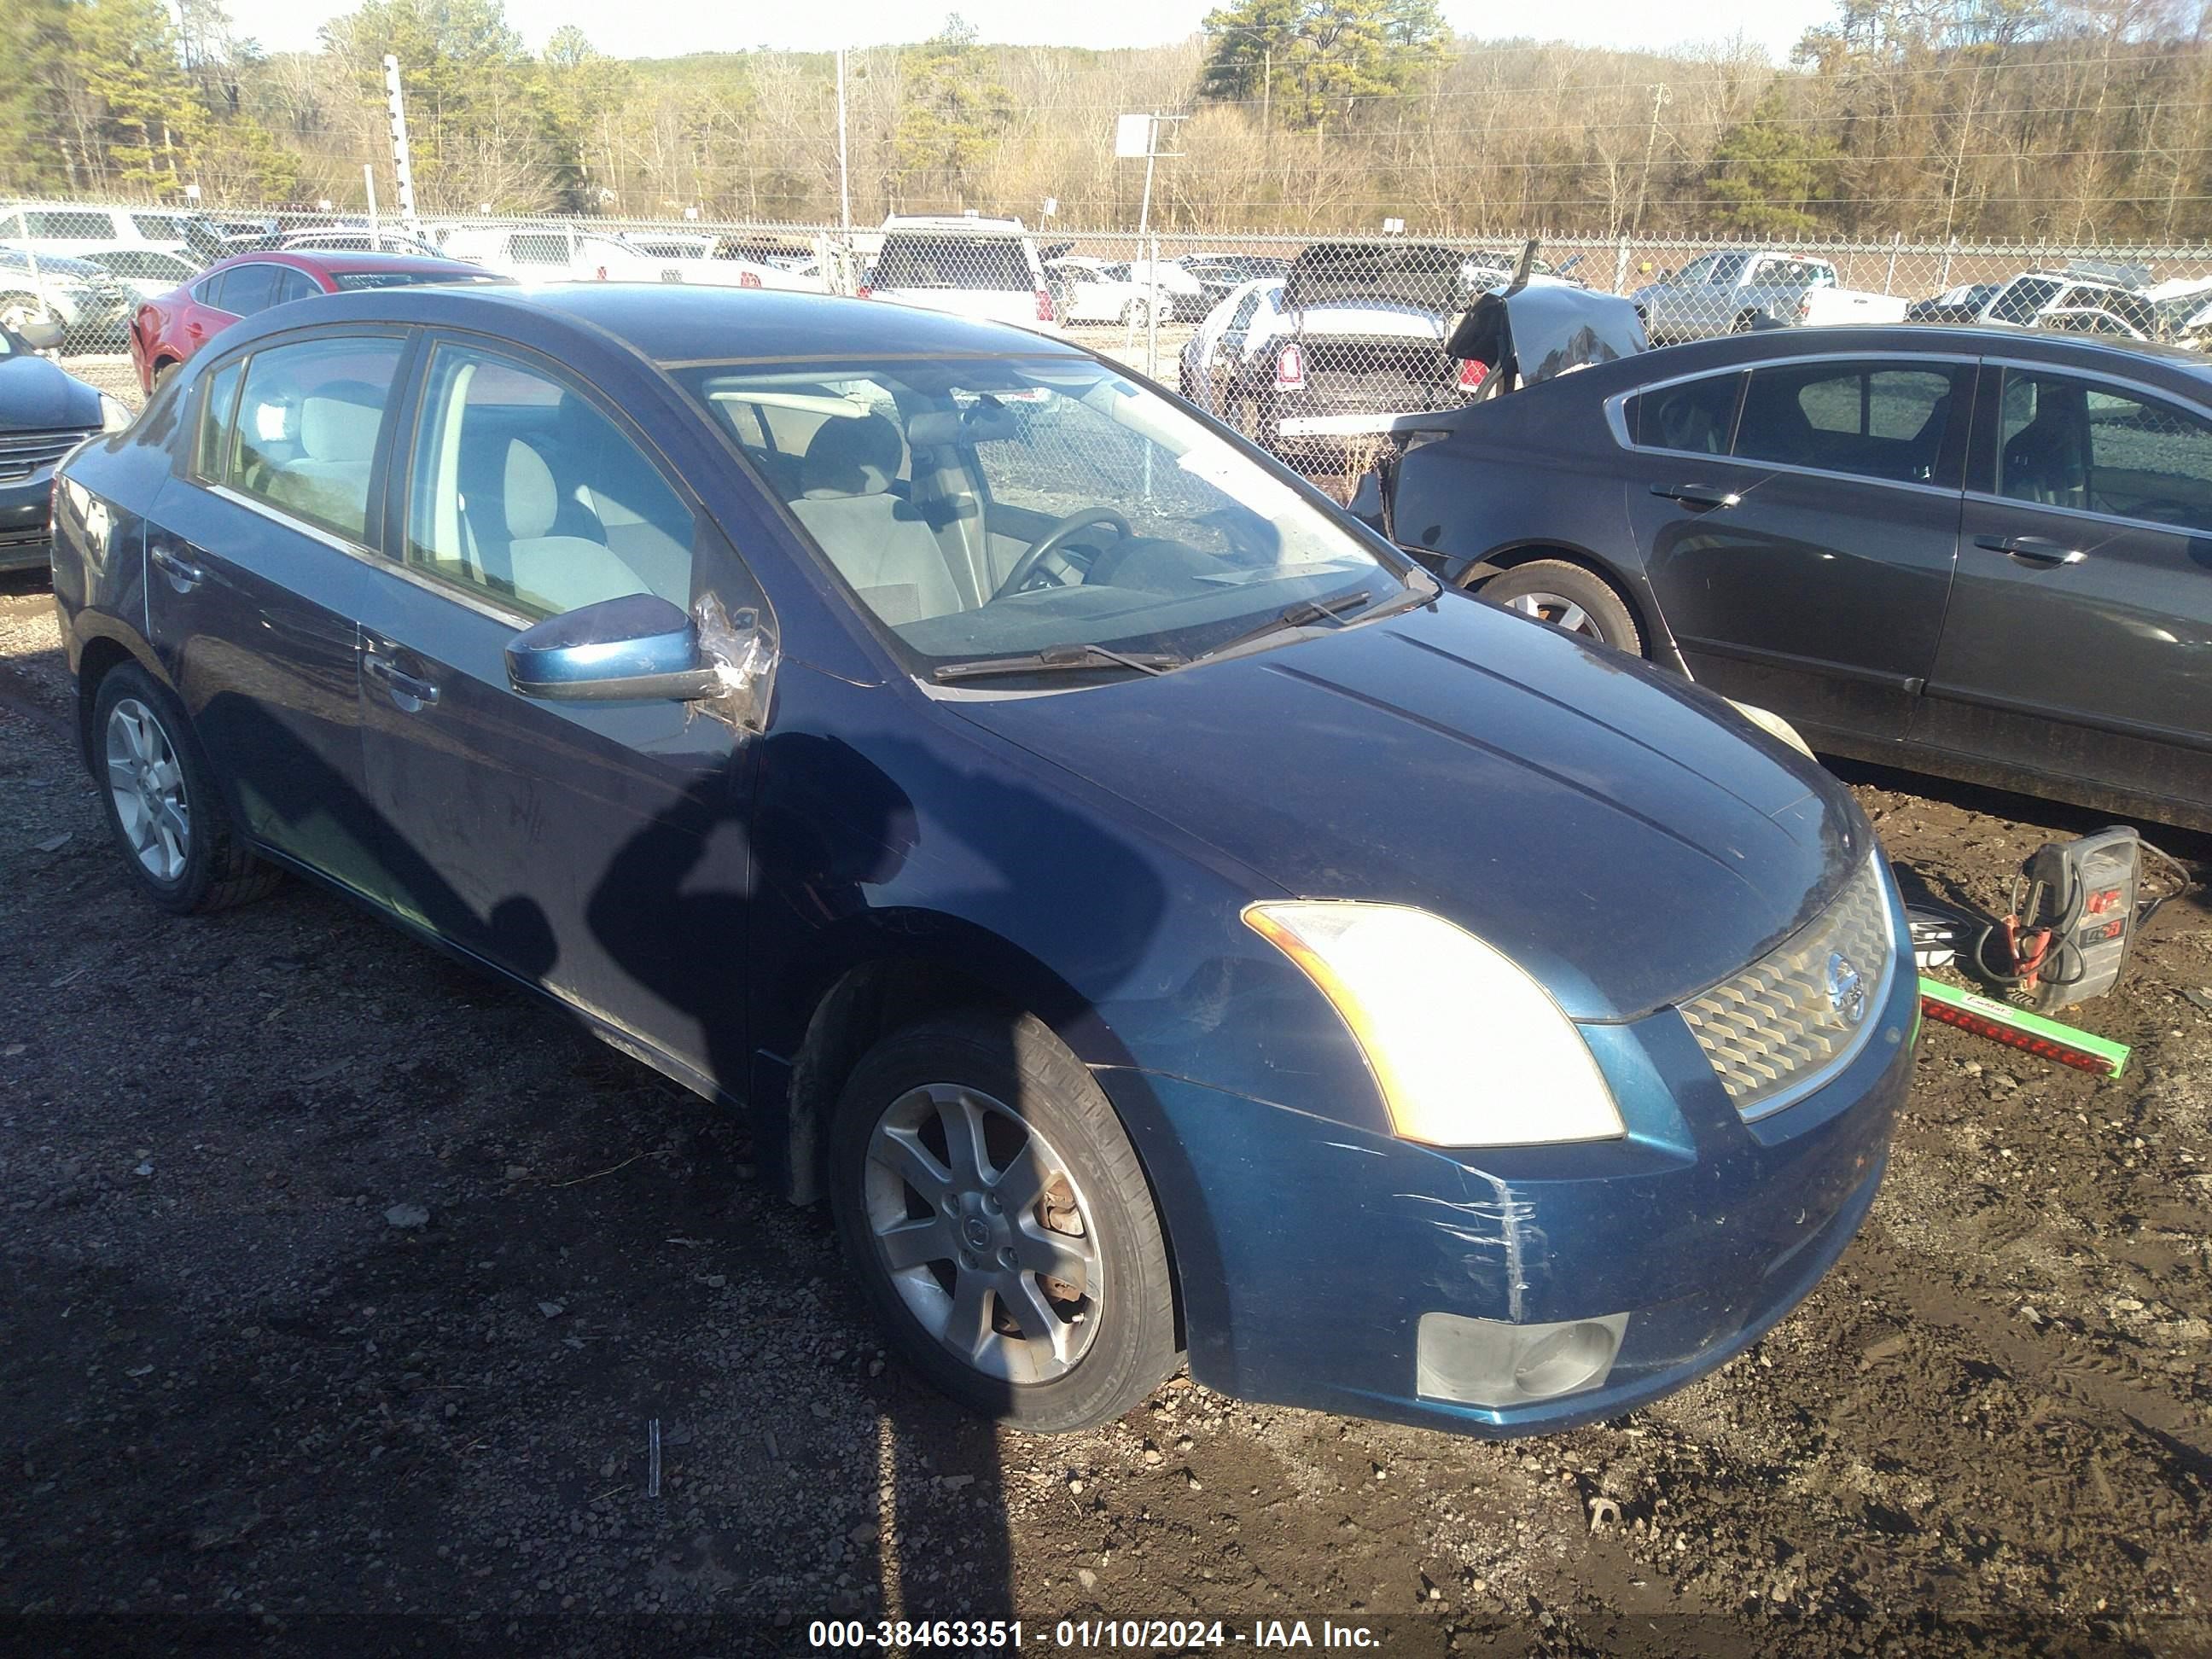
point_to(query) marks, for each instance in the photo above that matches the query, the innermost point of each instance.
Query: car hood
(37, 397)
(1625, 837)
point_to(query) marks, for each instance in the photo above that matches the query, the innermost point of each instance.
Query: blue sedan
(44, 413)
(1158, 921)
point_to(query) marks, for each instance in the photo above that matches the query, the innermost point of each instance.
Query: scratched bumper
(1307, 1253)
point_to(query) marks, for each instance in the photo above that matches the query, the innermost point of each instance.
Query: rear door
(1800, 521)
(257, 555)
(552, 838)
(2081, 624)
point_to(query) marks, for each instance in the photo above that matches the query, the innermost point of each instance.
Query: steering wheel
(1026, 566)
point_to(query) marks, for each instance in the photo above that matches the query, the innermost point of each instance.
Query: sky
(667, 27)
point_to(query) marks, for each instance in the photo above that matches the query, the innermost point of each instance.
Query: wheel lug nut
(992, 1204)
(1008, 1260)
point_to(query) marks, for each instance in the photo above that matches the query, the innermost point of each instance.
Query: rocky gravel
(334, 1281)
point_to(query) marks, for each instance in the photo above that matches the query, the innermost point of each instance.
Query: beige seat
(555, 572)
(878, 540)
(328, 481)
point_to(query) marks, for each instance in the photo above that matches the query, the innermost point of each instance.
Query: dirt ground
(238, 1377)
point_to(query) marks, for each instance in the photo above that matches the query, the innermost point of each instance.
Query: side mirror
(638, 648)
(42, 334)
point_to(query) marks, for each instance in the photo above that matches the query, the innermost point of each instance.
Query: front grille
(1775, 1031)
(23, 453)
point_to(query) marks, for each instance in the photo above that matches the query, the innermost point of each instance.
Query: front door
(258, 559)
(2080, 630)
(1799, 524)
(598, 849)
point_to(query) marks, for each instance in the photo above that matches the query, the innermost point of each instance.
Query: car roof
(680, 323)
(1923, 339)
(332, 262)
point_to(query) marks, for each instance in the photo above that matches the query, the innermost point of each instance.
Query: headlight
(113, 416)
(1500, 1065)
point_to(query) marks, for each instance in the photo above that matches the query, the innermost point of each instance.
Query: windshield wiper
(1059, 659)
(1304, 614)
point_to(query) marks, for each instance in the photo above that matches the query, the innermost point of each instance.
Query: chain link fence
(1363, 326)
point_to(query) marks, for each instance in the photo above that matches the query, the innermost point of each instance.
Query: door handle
(2035, 549)
(405, 689)
(1703, 497)
(184, 575)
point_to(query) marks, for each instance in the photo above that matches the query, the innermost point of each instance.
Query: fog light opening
(1564, 1360)
(1497, 1363)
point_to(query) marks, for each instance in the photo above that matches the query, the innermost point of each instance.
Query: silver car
(92, 306)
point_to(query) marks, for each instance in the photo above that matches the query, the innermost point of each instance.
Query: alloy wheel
(147, 783)
(984, 1233)
(1559, 610)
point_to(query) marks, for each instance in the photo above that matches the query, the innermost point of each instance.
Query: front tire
(1571, 597)
(167, 817)
(996, 1214)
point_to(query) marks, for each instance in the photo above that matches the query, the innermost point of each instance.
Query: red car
(170, 328)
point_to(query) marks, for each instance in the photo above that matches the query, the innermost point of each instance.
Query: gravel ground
(336, 1281)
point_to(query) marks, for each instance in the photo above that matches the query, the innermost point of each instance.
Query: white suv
(556, 253)
(986, 268)
(74, 230)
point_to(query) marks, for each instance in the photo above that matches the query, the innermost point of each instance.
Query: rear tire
(163, 809)
(1569, 596)
(990, 1202)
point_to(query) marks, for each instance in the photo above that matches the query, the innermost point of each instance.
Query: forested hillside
(2076, 120)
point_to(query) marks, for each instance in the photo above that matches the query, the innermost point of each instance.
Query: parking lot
(334, 1280)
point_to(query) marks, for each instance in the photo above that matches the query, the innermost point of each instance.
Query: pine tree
(1768, 171)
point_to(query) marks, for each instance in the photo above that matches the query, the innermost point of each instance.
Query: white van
(986, 268)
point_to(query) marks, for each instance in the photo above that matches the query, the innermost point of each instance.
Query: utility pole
(844, 177)
(403, 169)
(1662, 95)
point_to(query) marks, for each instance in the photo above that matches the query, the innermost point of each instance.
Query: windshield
(2023, 297)
(1001, 507)
(1714, 270)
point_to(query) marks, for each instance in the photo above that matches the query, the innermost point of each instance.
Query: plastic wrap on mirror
(741, 645)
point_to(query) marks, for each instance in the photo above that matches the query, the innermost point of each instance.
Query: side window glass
(1874, 420)
(249, 289)
(2042, 452)
(1245, 311)
(293, 285)
(524, 490)
(216, 412)
(210, 292)
(308, 421)
(539, 248)
(2148, 460)
(1696, 416)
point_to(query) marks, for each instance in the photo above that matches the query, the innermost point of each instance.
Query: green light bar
(2016, 1028)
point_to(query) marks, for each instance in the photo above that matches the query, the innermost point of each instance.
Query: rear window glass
(64, 227)
(997, 263)
(1697, 416)
(306, 429)
(1877, 420)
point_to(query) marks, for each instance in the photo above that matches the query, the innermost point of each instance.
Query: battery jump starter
(2065, 939)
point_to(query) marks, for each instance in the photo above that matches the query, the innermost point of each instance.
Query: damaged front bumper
(1518, 1291)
